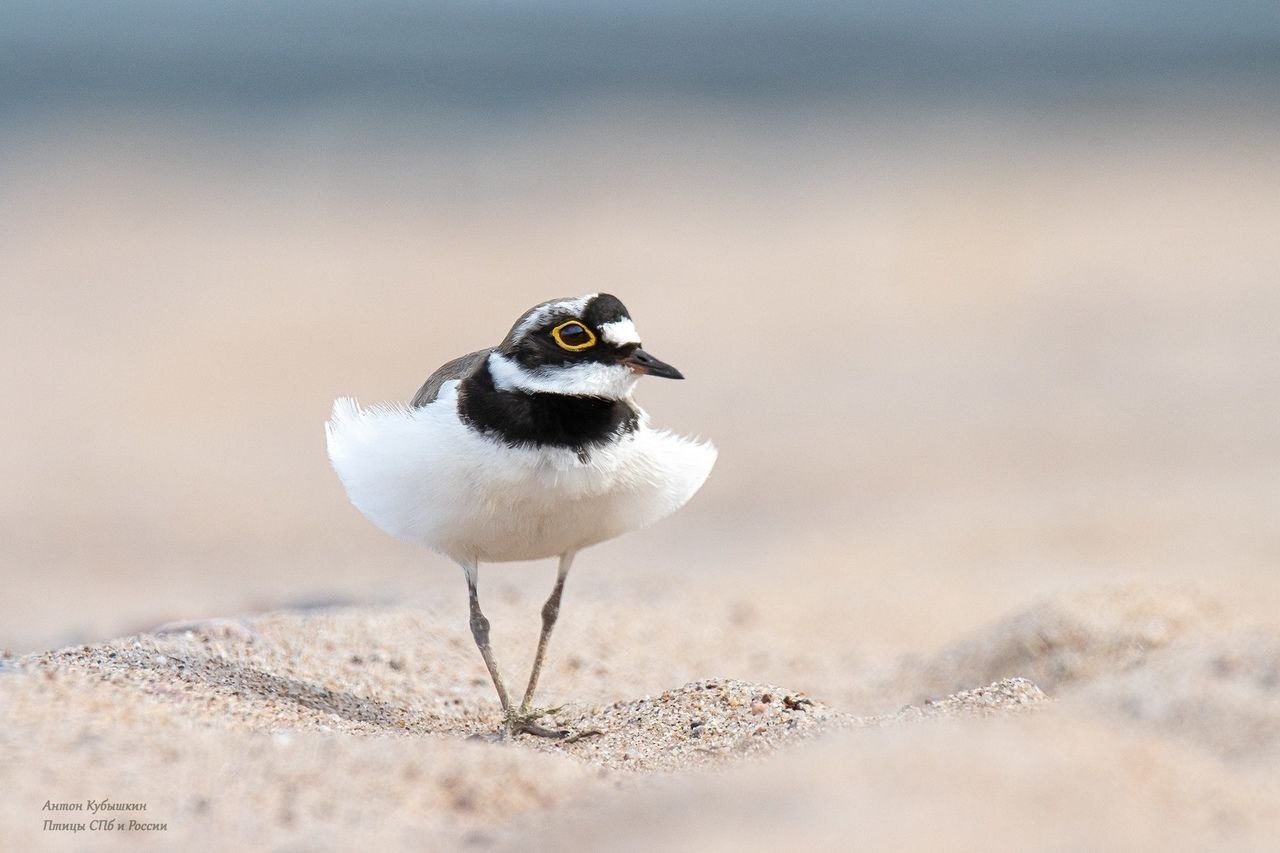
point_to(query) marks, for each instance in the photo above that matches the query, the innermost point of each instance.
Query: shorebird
(531, 449)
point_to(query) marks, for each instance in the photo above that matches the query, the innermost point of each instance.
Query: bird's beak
(641, 362)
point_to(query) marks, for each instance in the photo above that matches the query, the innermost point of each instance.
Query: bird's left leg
(550, 611)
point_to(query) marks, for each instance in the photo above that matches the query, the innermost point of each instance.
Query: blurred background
(978, 300)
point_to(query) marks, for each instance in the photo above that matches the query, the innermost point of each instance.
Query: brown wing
(455, 369)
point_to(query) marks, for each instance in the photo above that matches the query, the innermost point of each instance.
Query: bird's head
(586, 347)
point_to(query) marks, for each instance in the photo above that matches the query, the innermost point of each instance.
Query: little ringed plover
(530, 449)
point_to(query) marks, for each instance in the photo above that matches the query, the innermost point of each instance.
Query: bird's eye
(573, 336)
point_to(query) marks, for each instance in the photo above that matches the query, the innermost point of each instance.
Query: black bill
(641, 362)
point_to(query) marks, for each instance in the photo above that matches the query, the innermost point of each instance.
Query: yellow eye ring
(591, 338)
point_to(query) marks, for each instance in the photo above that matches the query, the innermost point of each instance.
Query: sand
(375, 726)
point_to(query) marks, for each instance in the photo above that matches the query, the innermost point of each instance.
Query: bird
(528, 450)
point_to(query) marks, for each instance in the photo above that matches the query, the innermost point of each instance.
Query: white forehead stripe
(567, 306)
(587, 379)
(620, 332)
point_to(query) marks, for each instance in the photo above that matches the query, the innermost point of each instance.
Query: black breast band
(524, 419)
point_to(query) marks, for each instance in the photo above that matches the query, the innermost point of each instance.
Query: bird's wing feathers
(456, 369)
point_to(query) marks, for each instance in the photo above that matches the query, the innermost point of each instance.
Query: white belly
(422, 475)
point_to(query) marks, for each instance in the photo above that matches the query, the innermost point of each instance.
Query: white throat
(588, 379)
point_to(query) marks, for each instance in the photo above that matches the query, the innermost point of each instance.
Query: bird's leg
(521, 721)
(550, 611)
(480, 631)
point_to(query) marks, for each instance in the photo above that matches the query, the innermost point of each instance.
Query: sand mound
(703, 722)
(1072, 639)
(1222, 694)
(1164, 658)
(1007, 696)
(716, 720)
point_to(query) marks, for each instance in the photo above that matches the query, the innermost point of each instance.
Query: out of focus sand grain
(996, 396)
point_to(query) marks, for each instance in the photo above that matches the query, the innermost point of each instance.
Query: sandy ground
(358, 726)
(996, 395)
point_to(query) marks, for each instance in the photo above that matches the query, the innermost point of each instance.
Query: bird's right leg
(480, 631)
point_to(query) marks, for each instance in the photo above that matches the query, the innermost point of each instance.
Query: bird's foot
(524, 721)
